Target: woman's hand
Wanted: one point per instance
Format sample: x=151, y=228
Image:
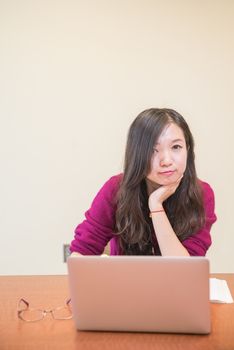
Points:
x=158, y=196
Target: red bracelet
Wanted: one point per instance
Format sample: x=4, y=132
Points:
x=155, y=211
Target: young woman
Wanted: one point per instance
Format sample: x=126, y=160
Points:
x=157, y=206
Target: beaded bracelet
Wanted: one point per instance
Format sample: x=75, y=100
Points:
x=155, y=211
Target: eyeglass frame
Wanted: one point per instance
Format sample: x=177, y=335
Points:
x=43, y=312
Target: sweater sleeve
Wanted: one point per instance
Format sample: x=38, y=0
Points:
x=199, y=242
x=93, y=234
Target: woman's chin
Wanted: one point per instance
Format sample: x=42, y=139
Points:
x=156, y=184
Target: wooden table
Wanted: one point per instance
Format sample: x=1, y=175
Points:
x=50, y=291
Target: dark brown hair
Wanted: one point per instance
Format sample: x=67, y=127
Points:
x=184, y=208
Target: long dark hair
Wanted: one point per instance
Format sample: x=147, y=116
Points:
x=184, y=208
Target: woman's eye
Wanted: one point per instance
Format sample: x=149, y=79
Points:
x=155, y=150
x=176, y=147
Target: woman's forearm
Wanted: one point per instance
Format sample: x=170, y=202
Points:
x=168, y=242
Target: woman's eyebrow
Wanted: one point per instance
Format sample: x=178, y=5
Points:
x=177, y=140
x=172, y=141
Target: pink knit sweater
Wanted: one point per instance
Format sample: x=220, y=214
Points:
x=93, y=234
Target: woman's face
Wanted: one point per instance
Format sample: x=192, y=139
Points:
x=169, y=158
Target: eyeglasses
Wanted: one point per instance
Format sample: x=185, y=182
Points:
x=25, y=313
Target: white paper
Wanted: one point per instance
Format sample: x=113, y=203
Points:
x=219, y=291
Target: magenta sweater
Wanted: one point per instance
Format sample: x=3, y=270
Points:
x=93, y=234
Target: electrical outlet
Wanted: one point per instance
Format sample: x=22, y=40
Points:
x=66, y=252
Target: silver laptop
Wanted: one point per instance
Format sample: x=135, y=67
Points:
x=140, y=293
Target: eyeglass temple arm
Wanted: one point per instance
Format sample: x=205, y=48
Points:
x=24, y=301
x=68, y=301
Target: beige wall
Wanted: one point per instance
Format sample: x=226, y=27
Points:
x=73, y=75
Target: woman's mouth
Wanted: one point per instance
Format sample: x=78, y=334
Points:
x=167, y=173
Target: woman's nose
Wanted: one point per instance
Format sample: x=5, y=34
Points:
x=165, y=159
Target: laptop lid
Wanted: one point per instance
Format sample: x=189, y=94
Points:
x=140, y=293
